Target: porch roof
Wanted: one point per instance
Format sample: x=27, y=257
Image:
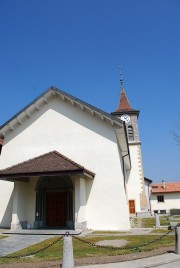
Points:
x=49, y=164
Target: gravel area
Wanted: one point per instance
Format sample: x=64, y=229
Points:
x=93, y=260
x=115, y=243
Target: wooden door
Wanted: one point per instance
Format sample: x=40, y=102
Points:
x=56, y=209
x=132, y=206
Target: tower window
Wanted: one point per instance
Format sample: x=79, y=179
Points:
x=130, y=133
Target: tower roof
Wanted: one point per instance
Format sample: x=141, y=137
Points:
x=124, y=104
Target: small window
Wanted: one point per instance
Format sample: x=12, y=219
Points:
x=163, y=211
x=154, y=186
x=160, y=198
x=130, y=133
x=155, y=211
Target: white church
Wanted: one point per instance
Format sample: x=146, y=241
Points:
x=66, y=164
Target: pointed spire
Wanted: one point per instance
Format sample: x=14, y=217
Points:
x=124, y=104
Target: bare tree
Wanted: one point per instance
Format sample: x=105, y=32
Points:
x=177, y=131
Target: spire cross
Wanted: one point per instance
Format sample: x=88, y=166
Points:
x=121, y=78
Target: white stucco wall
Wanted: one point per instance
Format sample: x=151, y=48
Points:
x=134, y=187
x=171, y=200
x=86, y=140
x=6, y=192
x=147, y=192
x=24, y=197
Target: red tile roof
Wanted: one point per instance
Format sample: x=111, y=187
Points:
x=51, y=163
x=170, y=187
x=124, y=104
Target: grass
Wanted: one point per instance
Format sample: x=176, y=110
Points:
x=3, y=236
x=85, y=250
x=159, y=231
x=175, y=216
x=150, y=222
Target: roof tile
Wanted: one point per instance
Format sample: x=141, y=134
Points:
x=124, y=104
x=169, y=187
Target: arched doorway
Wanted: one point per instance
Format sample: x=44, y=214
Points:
x=54, y=202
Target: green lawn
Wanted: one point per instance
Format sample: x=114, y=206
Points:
x=136, y=243
x=3, y=236
x=150, y=222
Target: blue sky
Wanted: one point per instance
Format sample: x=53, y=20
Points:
x=78, y=45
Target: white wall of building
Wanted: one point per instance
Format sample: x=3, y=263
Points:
x=86, y=140
x=134, y=186
x=147, y=192
x=6, y=197
x=171, y=201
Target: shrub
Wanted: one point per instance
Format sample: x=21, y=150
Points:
x=174, y=211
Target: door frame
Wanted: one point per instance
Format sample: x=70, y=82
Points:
x=41, y=207
x=132, y=200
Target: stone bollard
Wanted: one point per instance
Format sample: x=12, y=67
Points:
x=68, y=259
x=157, y=221
x=177, y=238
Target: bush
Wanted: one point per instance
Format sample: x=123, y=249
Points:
x=174, y=211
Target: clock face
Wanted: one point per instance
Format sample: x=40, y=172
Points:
x=125, y=117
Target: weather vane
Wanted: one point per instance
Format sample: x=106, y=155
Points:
x=121, y=78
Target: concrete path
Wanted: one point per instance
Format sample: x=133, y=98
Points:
x=25, y=238
x=169, y=260
x=15, y=243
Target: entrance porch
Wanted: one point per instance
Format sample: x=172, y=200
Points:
x=49, y=193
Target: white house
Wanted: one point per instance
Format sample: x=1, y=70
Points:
x=68, y=164
x=165, y=196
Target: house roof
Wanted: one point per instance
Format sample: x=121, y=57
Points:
x=52, y=163
x=124, y=105
x=170, y=187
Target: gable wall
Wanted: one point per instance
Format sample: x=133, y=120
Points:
x=88, y=141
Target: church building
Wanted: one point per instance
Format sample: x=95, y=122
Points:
x=66, y=164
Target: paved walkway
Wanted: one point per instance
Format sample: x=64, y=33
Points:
x=15, y=243
x=25, y=238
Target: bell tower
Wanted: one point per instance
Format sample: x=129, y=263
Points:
x=135, y=176
x=129, y=115
x=126, y=113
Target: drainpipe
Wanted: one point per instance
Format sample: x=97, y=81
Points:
x=124, y=170
x=149, y=194
x=128, y=153
x=1, y=142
